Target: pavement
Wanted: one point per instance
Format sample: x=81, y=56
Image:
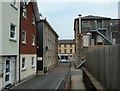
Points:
x=46, y=81
x=76, y=78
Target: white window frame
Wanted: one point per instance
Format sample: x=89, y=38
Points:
x=24, y=42
x=33, y=40
x=33, y=62
x=24, y=63
x=24, y=13
x=13, y=32
x=33, y=19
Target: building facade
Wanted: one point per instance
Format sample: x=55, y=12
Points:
x=9, y=43
x=115, y=28
x=91, y=31
x=66, y=49
x=28, y=39
x=47, y=55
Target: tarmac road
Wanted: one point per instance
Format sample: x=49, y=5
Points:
x=47, y=81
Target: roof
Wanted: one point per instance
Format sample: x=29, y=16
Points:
x=44, y=20
x=91, y=17
x=66, y=41
x=35, y=6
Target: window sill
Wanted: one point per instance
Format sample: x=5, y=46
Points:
x=33, y=24
x=24, y=43
x=23, y=69
x=33, y=45
x=24, y=17
x=14, y=40
x=14, y=6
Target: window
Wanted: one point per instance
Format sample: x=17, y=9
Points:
x=24, y=37
x=13, y=2
x=32, y=61
x=70, y=45
x=24, y=11
x=65, y=51
x=12, y=31
x=65, y=45
x=23, y=63
x=33, y=19
x=33, y=40
x=59, y=45
x=70, y=50
x=85, y=25
x=59, y=50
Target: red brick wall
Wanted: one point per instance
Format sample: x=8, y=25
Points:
x=26, y=25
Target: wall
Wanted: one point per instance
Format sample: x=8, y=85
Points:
x=30, y=29
x=0, y=27
x=103, y=63
x=30, y=70
x=10, y=15
x=49, y=40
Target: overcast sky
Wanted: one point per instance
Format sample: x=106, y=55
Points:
x=61, y=14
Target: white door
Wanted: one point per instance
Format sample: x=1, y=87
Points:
x=8, y=71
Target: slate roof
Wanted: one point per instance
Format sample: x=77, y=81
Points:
x=66, y=41
x=91, y=17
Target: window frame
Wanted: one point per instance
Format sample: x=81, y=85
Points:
x=33, y=19
x=24, y=42
x=33, y=40
x=23, y=67
x=71, y=51
x=13, y=38
x=33, y=63
x=85, y=24
x=65, y=50
x=24, y=11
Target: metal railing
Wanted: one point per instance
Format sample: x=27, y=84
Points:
x=62, y=83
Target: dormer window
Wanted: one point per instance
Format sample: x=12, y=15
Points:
x=33, y=19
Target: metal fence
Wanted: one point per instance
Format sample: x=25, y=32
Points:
x=62, y=84
x=104, y=64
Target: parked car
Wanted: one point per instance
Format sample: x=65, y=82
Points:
x=64, y=61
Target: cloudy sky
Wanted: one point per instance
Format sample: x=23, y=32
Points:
x=61, y=14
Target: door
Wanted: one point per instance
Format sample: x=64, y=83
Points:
x=8, y=72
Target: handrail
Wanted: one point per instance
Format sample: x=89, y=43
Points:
x=102, y=36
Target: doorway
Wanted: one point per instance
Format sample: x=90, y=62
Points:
x=8, y=71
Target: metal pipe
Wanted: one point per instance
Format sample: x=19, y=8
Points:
x=79, y=23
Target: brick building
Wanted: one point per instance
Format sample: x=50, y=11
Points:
x=28, y=39
x=115, y=28
x=91, y=31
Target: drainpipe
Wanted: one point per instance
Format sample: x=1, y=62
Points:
x=79, y=23
x=19, y=41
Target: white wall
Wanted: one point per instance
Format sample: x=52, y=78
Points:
x=30, y=70
x=10, y=15
x=0, y=27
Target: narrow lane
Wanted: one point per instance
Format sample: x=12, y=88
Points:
x=47, y=81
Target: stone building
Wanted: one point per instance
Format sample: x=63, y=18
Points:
x=47, y=46
x=91, y=31
x=66, y=49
